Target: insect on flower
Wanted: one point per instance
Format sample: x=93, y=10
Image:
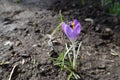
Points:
x=72, y=30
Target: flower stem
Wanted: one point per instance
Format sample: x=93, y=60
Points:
x=74, y=55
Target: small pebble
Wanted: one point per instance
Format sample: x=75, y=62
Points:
x=17, y=43
x=24, y=54
x=102, y=66
x=108, y=30
x=8, y=43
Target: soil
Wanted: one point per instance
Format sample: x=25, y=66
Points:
x=24, y=29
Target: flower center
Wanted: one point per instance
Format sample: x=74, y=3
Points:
x=72, y=25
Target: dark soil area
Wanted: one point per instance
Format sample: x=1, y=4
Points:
x=24, y=49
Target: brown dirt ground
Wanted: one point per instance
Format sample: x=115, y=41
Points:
x=24, y=42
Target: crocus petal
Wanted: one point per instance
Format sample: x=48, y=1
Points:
x=75, y=22
x=77, y=28
x=64, y=26
x=72, y=34
x=67, y=29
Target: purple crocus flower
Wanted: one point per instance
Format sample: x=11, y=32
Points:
x=72, y=30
